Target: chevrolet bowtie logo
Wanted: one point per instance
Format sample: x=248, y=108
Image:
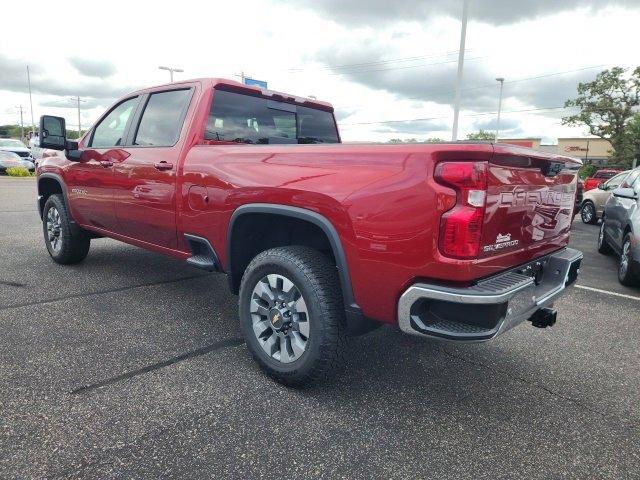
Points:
x=275, y=319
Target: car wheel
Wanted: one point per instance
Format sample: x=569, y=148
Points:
x=588, y=213
x=292, y=315
x=603, y=246
x=626, y=273
x=63, y=244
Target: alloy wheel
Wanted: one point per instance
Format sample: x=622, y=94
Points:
x=624, y=259
x=280, y=318
x=54, y=229
x=587, y=213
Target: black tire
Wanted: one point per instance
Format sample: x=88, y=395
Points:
x=603, y=247
x=71, y=245
x=316, y=280
x=626, y=269
x=588, y=213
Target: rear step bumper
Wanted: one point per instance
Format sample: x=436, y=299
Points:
x=490, y=307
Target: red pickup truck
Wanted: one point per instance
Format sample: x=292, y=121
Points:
x=320, y=240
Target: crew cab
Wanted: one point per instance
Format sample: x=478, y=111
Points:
x=320, y=240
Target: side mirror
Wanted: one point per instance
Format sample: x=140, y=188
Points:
x=602, y=186
x=625, y=192
x=53, y=133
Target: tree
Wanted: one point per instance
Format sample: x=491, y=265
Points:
x=481, y=135
x=633, y=135
x=606, y=107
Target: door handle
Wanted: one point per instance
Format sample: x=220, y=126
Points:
x=106, y=163
x=163, y=165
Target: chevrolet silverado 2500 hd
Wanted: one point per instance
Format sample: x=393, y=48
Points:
x=320, y=240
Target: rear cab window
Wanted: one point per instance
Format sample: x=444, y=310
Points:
x=240, y=118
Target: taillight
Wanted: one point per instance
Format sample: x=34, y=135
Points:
x=461, y=227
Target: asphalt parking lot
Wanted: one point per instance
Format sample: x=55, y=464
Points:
x=131, y=365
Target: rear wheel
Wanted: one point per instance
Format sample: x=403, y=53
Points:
x=588, y=213
x=626, y=273
x=65, y=244
x=603, y=246
x=292, y=314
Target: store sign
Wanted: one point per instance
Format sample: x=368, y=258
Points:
x=575, y=148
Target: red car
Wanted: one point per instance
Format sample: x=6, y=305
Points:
x=458, y=241
x=600, y=176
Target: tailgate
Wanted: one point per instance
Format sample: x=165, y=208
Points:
x=530, y=200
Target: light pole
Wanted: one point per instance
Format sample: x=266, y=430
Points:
x=501, y=80
x=463, y=39
x=171, y=70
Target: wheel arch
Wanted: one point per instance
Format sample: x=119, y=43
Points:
x=239, y=254
x=51, y=184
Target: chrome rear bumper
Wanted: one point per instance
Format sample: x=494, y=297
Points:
x=490, y=307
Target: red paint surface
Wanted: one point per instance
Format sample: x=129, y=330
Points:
x=382, y=200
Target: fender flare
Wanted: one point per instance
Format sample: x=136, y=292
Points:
x=65, y=197
x=355, y=318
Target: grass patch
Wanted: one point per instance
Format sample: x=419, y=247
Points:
x=18, y=172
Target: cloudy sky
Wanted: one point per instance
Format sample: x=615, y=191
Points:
x=388, y=67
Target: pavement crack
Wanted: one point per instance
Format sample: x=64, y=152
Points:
x=100, y=292
x=533, y=384
x=156, y=366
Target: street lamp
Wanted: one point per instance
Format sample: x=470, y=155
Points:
x=171, y=70
x=501, y=80
x=463, y=39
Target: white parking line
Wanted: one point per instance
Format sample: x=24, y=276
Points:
x=615, y=294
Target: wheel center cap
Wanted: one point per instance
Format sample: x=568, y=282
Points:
x=276, y=318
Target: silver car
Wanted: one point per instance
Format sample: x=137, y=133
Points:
x=593, y=200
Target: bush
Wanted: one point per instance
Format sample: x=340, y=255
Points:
x=18, y=172
x=587, y=171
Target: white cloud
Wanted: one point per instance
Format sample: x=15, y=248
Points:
x=268, y=39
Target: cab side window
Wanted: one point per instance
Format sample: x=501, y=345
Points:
x=162, y=118
x=110, y=131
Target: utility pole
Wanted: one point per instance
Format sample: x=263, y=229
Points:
x=33, y=123
x=463, y=39
x=171, y=70
x=78, y=100
x=241, y=75
x=501, y=80
x=21, y=123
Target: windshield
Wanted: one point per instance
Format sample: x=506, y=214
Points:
x=4, y=142
x=235, y=117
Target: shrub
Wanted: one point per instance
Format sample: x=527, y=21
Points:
x=18, y=172
x=587, y=171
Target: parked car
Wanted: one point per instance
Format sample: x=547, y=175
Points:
x=593, y=201
x=600, y=176
x=620, y=227
x=457, y=241
x=15, y=146
x=10, y=159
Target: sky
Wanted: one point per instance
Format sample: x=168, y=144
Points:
x=387, y=67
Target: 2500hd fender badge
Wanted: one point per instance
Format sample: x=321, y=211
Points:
x=502, y=242
x=78, y=191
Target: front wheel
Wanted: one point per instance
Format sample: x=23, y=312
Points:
x=626, y=274
x=603, y=246
x=292, y=314
x=65, y=245
x=588, y=213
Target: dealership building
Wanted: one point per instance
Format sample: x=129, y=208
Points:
x=592, y=150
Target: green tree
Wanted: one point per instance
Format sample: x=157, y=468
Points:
x=606, y=107
x=633, y=135
x=481, y=135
